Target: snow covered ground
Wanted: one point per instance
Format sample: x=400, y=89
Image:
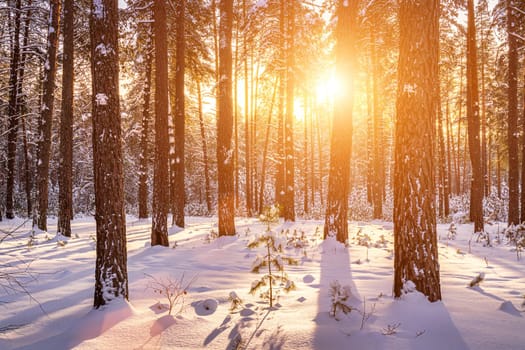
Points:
x=58, y=273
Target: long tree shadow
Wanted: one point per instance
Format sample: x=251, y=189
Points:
x=335, y=266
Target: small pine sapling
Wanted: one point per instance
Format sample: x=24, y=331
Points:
x=339, y=297
x=452, y=232
x=516, y=236
x=272, y=258
x=297, y=240
x=270, y=215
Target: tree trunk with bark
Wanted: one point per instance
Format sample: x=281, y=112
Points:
x=144, y=135
x=415, y=236
x=289, y=152
x=111, y=277
x=12, y=115
x=177, y=184
x=46, y=116
x=336, y=219
x=473, y=117
x=279, y=175
x=65, y=183
x=226, y=209
x=512, y=124
x=159, y=227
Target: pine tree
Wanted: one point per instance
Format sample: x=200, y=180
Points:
x=473, y=117
x=415, y=236
x=159, y=227
x=65, y=201
x=272, y=258
x=12, y=114
x=512, y=124
x=46, y=117
x=226, y=209
x=336, y=220
x=178, y=196
x=111, y=277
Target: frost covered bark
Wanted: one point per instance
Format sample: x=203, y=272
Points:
x=12, y=114
x=46, y=116
x=159, y=227
x=144, y=133
x=336, y=220
x=111, y=278
x=473, y=117
x=415, y=237
x=512, y=122
x=226, y=210
x=65, y=180
x=177, y=184
x=289, y=154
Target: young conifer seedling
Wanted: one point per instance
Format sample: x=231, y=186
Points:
x=272, y=260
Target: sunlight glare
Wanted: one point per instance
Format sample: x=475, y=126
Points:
x=328, y=88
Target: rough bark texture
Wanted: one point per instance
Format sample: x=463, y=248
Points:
x=225, y=122
x=177, y=185
x=111, y=278
x=46, y=116
x=512, y=131
x=22, y=111
x=415, y=237
x=144, y=136
x=159, y=227
x=336, y=220
x=378, y=149
x=289, y=152
x=522, y=196
x=12, y=115
x=474, y=125
x=247, y=133
x=65, y=182
x=279, y=174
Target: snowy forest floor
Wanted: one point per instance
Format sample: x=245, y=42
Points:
x=58, y=274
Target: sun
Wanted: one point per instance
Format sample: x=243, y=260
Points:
x=328, y=87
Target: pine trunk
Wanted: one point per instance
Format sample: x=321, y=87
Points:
x=159, y=227
x=177, y=185
x=247, y=131
x=279, y=176
x=522, y=201
x=226, y=209
x=336, y=219
x=111, y=277
x=65, y=196
x=22, y=112
x=289, y=156
x=377, y=182
x=512, y=131
x=144, y=134
x=473, y=117
x=12, y=135
x=415, y=236
x=46, y=117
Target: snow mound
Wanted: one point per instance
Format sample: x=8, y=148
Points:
x=205, y=307
x=508, y=307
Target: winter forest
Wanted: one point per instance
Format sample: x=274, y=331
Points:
x=262, y=174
